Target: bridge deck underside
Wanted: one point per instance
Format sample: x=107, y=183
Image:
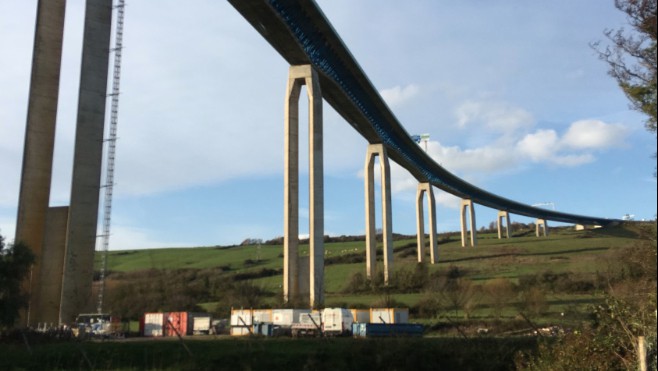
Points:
x=301, y=34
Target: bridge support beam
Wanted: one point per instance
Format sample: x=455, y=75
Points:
x=36, y=175
x=468, y=205
x=541, y=224
x=503, y=215
x=87, y=162
x=387, y=220
x=420, y=222
x=298, y=76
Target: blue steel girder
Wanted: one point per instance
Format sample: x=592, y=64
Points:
x=301, y=34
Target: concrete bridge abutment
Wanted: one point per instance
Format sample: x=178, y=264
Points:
x=292, y=288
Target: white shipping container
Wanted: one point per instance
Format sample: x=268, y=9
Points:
x=286, y=317
x=361, y=315
x=201, y=324
x=337, y=321
x=240, y=331
x=262, y=315
x=389, y=315
x=153, y=324
x=241, y=317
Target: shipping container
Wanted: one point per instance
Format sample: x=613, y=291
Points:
x=176, y=324
x=153, y=324
x=362, y=330
x=241, y=322
x=389, y=315
x=241, y=317
x=286, y=317
x=337, y=321
x=201, y=323
x=361, y=315
x=262, y=315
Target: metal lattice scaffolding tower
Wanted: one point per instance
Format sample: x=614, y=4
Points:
x=111, y=151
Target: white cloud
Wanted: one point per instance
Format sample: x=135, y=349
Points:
x=132, y=238
x=447, y=200
x=594, y=134
x=493, y=115
x=399, y=94
x=485, y=159
x=572, y=160
x=539, y=146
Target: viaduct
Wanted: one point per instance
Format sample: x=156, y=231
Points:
x=63, y=238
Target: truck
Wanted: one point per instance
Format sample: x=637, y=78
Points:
x=337, y=321
x=97, y=325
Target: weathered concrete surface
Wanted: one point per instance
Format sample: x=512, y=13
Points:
x=503, y=215
x=54, y=245
x=468, y=205
x=387, y=219
x=420, y=222
x=298, y=76
x=87, y=161
x=36, y=175
x=541, y=224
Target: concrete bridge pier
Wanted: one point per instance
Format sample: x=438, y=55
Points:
x=502, y=214
x=387, y=220
x=36, y=176
x=468, y=205
x=87, y=162
x=420, y=222
x=541, y=226
x=298, y=76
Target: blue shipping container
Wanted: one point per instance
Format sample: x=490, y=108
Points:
x=386, y=329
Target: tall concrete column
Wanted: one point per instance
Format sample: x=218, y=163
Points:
x=503, y=215
x=387, y=220
x=36, y=175
x=420, y=222
x=539, y=225
x=468, y=204
x=54, y=246
x=87, y=161
x=298, y=76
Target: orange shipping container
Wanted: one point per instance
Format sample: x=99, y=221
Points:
x=176, y=323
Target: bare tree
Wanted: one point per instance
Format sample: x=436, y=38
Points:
x=632, y=56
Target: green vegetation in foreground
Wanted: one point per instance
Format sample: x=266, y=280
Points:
x=271, y=354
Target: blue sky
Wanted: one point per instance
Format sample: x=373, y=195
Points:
x=514, y=99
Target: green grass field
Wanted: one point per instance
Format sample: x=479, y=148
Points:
x=452, y=339
x=582, y=255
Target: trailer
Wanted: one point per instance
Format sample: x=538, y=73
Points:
x=369, y=330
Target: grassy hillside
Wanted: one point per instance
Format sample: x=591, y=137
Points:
x=547, y=276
